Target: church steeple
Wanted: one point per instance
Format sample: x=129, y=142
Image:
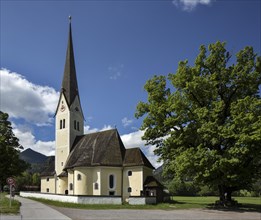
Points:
x=69, y=119
x=69, y=84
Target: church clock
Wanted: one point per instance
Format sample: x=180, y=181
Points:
x=62, y=108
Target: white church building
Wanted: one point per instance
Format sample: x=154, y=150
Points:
x=97, y=164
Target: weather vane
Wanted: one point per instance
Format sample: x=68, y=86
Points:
x=70, y=18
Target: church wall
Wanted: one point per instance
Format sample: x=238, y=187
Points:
x=62, y=137
x=71, y=185
x=83, y=181
x=76, y=120
x=105, y=173
x=48, y=184
x=133, y=184
x=62, y=185
x=96, y=181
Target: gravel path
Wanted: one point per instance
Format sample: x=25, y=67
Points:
x=124, y=214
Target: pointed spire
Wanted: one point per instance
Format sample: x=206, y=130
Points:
x=69, y=84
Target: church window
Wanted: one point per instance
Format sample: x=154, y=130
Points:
x=61, y=163
x=129, y=173
x=78, y=126
x=111, y=181
x=79, y=177
x=71, y=186
x=75, y=124
x=129, y=189
x=63, y=123
x=47, y=190
x=47, y=179
x=96, y=186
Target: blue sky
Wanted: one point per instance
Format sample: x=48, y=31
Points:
x=118, y=46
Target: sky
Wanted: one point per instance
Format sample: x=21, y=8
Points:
x=118, y=46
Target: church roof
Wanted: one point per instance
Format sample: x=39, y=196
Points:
x=69, y=84
x=104, y=148
x=49, y=167
x=135, y=157
x=152, y=182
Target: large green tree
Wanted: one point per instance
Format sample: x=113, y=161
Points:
x=206, y=124
x=10, y=164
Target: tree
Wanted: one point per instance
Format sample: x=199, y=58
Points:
x=10, y=164
x=36, y=179
x=208, y=126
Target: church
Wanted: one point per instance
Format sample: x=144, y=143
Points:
x=96, y=164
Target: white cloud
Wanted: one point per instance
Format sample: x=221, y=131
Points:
x=27, y=140
x=115, y=71
x=36, y=104
x=88, y=129
x=189, y=5
x=126, y=122
x=23, y=99
x=133, y=139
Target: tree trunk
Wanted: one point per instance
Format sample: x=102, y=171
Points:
x=229, y=195
x=222, y=198
x=225, y=196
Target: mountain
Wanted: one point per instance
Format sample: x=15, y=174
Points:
x=32, y=157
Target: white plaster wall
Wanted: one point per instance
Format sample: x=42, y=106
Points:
x=75, y=199
x=142, y=200
x=100, y=200
x=48, y=184
x=54, y=197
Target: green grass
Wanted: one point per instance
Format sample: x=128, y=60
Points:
x=178, y=202
x=245, y=203
x=190, y=202
x=5, y=205
x=250, y=203
x=100, y=206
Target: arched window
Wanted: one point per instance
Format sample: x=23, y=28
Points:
x=63, y=123
x=111, y=181
x=129, y=173
x=79, y=177
x=71, y=186
x=96, y=186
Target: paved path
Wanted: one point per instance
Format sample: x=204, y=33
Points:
x=123, y=214
x=32, y=210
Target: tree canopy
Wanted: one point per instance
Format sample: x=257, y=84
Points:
x=10, y=164
x=206, y=124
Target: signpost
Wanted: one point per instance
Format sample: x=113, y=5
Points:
x=11, y=182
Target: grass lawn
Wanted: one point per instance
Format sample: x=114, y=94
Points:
x=245, y=203
x=178, y=202
x=4, y=205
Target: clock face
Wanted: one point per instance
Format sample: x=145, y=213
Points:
x=62, y=108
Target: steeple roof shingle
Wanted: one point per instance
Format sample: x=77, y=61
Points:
x=69, y=84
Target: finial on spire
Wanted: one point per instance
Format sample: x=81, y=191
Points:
x=70, y=18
